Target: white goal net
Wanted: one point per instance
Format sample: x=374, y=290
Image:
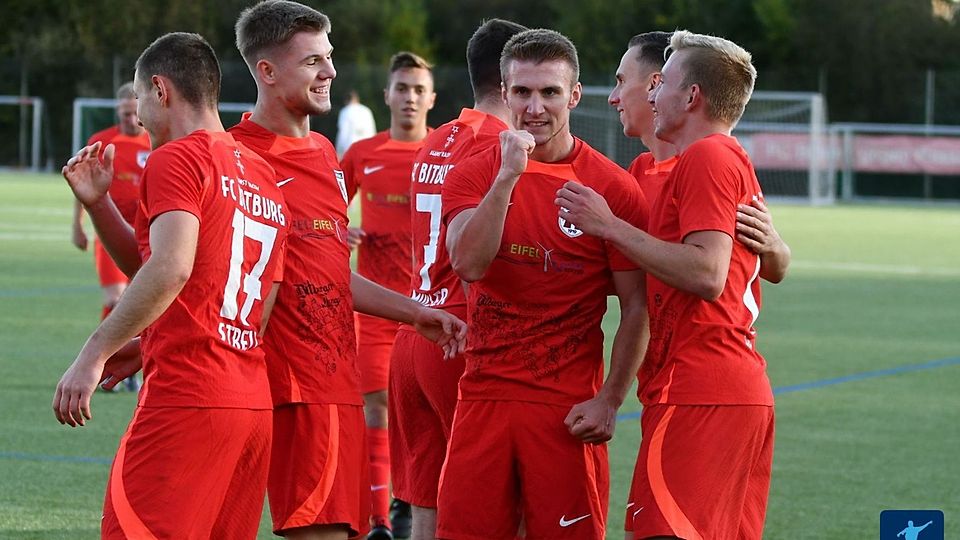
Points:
x=785, y=134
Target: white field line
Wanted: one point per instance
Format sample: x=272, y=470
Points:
x=904, y=270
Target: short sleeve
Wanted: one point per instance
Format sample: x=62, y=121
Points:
x=349, y=166
x=708, y=182
x=173, y=180
x=467, y=183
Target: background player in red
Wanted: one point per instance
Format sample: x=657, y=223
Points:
x=637, y=75
x=210, y=227
x=703, y=469
x=378, y=169
x=318, y=485
x=528, y=440
x=423, y=386
x=131, y=147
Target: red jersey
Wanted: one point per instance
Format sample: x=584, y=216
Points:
x=311, y=345
x=129, y=158
x=534, y=319
x=379, y=167
x=435, y=284
x=651, y=174
x=204, y=350
x=700, y=352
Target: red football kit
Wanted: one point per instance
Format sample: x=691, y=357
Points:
x=651, y=174
x=379, y=168
x=536, y=349
x=704, y=387
x=204, y=369
x=423, y=386
x=130, y=156
x=311, y=345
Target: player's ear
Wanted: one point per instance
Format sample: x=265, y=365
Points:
x=265, y=72
x=575, y=95
x=161, y=89
x=694, y=96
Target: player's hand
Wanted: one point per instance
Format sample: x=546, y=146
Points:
x=355, y=237
x=444, y=329
x=79, y=237
x=755, y=228
x=592, y=421
x=123, y=364
x=71, y=402
x=585, y=208
x=515, y=149
x=87, y=175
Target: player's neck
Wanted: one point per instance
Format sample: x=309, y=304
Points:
x=280, y=120
x=554, y=150
x=494, y=107
x=192, y=120
x=413, y=134
x=699, y=129
x=661, y=150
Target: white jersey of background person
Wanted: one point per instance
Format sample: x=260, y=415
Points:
x=355, y=122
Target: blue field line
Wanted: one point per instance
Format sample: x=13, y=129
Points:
x=838, y=380
x=625, y=416
x=59, y=459
x=50, y=291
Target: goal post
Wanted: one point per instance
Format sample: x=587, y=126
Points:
x=785, y=134
x=27, y=128
x=91, y=115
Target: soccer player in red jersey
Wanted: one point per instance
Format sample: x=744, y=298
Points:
x=704, y=464
x=637, y=75
x=534, y=413
x=131, y=147
x=318, y=485
x=423, y=387
x=211, y=227
x=378, y=169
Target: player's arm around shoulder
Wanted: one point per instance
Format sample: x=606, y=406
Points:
x=755, y=230
x=474, y=234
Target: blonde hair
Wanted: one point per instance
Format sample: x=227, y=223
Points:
x=722, y=69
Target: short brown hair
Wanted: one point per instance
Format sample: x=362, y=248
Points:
x=408, y=60
x=721, y=68
x=483, y=55
x=190, y=64
x=271, y=23
x=651, y=47
x=540, y=45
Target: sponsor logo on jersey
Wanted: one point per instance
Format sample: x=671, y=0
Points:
x=373, y=169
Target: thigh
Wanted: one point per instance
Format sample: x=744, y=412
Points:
x=693, y=469
x=374, y=342
x=185, y=473
x=479, y=489
x=565, y=483
x=318, y=467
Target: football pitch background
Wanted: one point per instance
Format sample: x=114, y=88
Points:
x=862, y=340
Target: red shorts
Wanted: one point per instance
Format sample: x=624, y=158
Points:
x=374, y=343
x=508, y=459
x=107, y=270
x=702, y=472
x=318, y=468
x=189, y=473
x=422, y=398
